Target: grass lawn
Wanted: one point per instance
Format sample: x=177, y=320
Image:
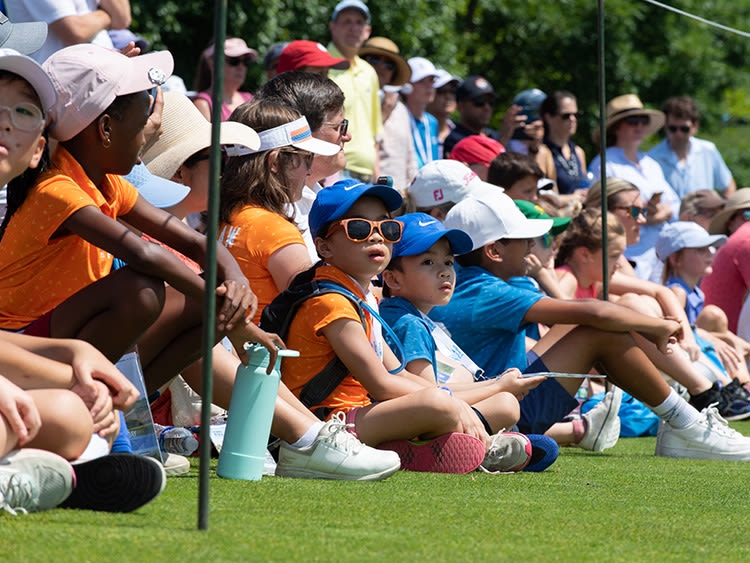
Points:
x=624, y=504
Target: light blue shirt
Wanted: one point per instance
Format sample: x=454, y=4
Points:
x=703, y=169
x=648, y=177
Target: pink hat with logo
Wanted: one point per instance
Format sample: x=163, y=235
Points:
x=447, y=181
x=88, y=78
x=234, y=47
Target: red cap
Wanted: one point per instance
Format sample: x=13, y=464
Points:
x=307, y=53
x=476, y=149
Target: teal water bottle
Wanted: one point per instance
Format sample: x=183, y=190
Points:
x=250, y=414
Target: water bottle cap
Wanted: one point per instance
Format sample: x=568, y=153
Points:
x=282, y=352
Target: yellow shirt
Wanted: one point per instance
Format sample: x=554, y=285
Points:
x=38, y=272
x=362, y=108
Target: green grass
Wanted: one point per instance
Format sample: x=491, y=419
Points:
x=624, y=504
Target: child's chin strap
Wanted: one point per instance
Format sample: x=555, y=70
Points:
x=366, y=306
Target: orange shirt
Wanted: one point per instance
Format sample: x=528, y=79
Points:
x=252, y=236
x=306, y=336
x=38, y=272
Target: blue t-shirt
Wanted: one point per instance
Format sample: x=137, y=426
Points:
x=527, y=282
x=413, y=330
x=485, y=318
x=695, y=298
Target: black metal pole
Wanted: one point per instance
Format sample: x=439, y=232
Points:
x=209, y=301
x=603, y=149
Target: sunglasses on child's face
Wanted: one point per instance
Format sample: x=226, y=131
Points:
x=633, y=209
x=359, y=230
x=374, y=60
x=675, y=128
x=638, y=120
x=25, y=116
x=236, y=61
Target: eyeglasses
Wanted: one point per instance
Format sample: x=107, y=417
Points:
x=638, y=120
x=342, y=126
x=236, y=61
x=481, y=102
x=359, y=230
x=25, y=116
x=675, y=128
x=568, y=115
x=634, y=210
x=374, y=60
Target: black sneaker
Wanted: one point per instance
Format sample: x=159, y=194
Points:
x=708, y=397
x=119, y=482
x=729, y=407
x=738, y=391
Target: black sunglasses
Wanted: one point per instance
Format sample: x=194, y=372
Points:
x=567, y=116
x=675, y=128
x=374, y=60
x=342, y=126
x=235, y=61
x=638, y=119
x=481, y=102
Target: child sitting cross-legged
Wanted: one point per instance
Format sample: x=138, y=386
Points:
x=421, y=276
x=354, y=234
x=486, y=317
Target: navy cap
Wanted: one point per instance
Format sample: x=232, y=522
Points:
x=421, y=231
x=332, y=202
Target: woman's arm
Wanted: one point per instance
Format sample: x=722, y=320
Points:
x=287, y=262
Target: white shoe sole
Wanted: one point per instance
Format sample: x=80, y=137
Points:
x=313, y=474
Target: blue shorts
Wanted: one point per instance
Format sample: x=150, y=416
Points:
x=546, y=404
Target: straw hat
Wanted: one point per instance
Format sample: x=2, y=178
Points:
x=386, y=48
x=185, y=132
x=738, y=201
x=624, y=106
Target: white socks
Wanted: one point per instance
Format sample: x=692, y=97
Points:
x=309, y=437
x=98, y=447
x=675, y=411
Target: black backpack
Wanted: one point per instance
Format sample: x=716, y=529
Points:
x=278, y=315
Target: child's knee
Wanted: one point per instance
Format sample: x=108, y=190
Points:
x=441, y=405
x=713, y=319
x=145, y=296
x=641, y=303
x=509, y=405
x=66, y=422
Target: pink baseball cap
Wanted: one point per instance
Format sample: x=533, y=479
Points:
x=308, y=53
x=88, y=78
x=235, y=47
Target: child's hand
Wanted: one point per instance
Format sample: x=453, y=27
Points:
x=18, y=408
x=91, y=367
x=97, y=399
x=513, y=382
x=533, y=265
x=250, y=332
x=239, y=303
x=470, y=424
x=667, y=333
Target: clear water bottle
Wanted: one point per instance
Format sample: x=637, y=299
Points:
x=176, y=440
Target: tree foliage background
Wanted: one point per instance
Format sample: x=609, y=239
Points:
x=516, y=44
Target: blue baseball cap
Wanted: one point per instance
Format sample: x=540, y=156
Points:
x=332, y=202
x=684, y=234
x=158, y=191
x=421, y=231
x=356, y=4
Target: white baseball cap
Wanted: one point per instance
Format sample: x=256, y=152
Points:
x=88, y=78
x=445, y=181
x=295, y=133
x=494, y=217
x=31, y=71
x=421, y=68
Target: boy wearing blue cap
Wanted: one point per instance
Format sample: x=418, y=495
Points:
x=354, y=234
x=421, y=276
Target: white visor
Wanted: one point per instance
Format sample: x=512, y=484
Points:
x=295, y=134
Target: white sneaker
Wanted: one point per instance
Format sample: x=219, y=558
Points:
x=509, y=452
x=709, y=437
x=33, y=480
x=176, y=464
x=603, y=423
x=336, y=454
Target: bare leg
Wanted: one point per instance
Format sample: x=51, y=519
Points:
x=66, y=423
x=501, y=411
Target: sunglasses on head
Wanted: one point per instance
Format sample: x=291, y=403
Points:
x=374, y=60
x=235, y=61
x=634, y=210
x=342, y=126
x=566, y=116
x=359, y=230
x=481, y=102
x=638, y=119
x=675, y=128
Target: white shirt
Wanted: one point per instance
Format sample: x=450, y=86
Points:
x=301, y=213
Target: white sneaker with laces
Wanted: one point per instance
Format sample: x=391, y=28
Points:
x=33, y=480
x=709, y=437
x=603, y=423
x=336, y=454
x=175, y=464
x=509, y=452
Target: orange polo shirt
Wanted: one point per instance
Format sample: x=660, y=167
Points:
x=252, y=236
x=38, y=272
x=306, y=336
